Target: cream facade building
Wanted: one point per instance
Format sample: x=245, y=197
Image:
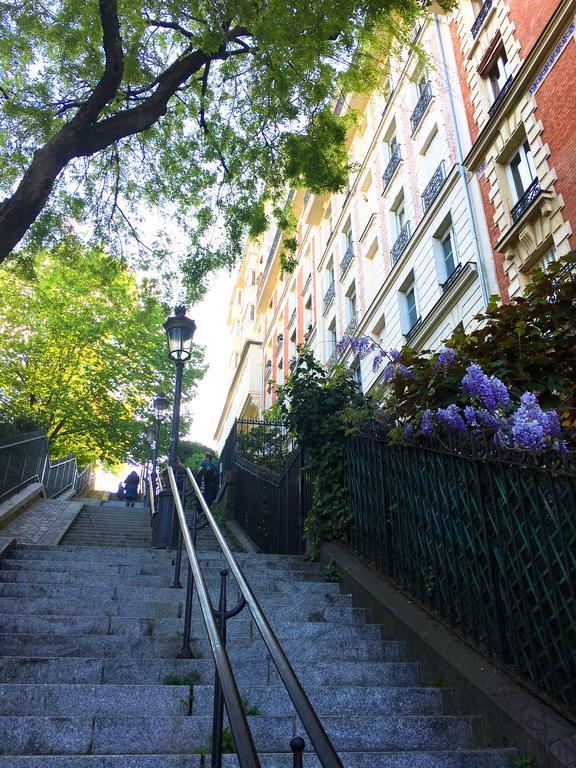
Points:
x=402, y=256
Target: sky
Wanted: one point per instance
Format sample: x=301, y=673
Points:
x=212, y=333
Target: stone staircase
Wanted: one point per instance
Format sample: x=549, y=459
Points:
x=110, y=525
x=89, y=676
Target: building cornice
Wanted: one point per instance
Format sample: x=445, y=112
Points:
x=524, y=78
x=243, y=355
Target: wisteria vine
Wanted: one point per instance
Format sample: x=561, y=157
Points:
x=488, y=405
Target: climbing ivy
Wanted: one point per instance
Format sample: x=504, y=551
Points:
x=320, y=409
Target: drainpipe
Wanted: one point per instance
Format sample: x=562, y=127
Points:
x=463, y=173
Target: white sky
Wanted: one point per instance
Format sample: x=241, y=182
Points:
x=212, y=333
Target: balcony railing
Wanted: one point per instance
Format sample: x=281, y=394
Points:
x=498, y=100
x=329, y=296
x=452, y=277
x=393, y=163
x=481, y=18
x=421, y=106
x=331, y=362
x=433, y=187
x=352, y=325
x=346, y=261
x=401, y=243
x=416, y=325
x=526, y=200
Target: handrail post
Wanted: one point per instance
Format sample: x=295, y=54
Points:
x=186, y=652
x=218, y=713
x=297, y=746
x=178, y=564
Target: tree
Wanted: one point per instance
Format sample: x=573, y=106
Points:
x=195, y=107
x=191, y=453
x=82, y=352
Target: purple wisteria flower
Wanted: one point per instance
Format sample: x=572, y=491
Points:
x=492, y=392
x=531, y=428
x=361, y=346
x=452, y=418
x=408, y=431
x=377, y=361
x=445, y=358
x=394, y=355
x=404, y=371
x=481, y=417
x=426, y=425
x=388, y=374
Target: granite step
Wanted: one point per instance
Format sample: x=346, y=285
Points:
x=177, y=734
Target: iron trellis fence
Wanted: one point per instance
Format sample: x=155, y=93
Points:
x=25, y=459
x=487, y=544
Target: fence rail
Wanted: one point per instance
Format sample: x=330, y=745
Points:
x=272, y=492
x=488, y=545
x=26, y=459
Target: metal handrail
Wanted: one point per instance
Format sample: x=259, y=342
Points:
x=246, y=751
x=318, y=737
x=151, y=496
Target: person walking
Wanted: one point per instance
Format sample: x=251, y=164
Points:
x=120, y=492
x=208, y=473
x=131, y=485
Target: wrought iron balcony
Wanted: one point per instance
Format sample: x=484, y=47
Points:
x=331, y=362
x=393, y=163
x=526, y=200
x=481, y=18
x=421, y=106
x=452, y=277
x=413, y=330
x=433, y=187
x=329, y=296
x=401, y=243
x=352, y=325
x=498, y=100
x=346, y=261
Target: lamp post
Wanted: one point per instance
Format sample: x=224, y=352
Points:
x=160, y=405
x=180, y=335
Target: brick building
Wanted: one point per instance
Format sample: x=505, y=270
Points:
x=516, y=62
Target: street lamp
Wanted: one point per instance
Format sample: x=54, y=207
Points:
x=180, y=334
x=160, y=406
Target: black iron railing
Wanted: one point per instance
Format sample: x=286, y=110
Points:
x=452, y=277
x=346, y=261
x=433, y=187
x=415, y=326
x=481, y=18
x=400, y=244
x=26, y=459
x=421, y=106
x=331, y=362
x=486, y=543
x=329, y=296
x=498, y=100
x=526, y=200
x=393, y=163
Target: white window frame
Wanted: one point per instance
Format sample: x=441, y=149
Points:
x=521, y=174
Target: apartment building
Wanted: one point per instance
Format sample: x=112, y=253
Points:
x=516, y=63
x=403, y=255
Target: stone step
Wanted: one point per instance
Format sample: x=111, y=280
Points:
x=107, y=646
x=137, y=594
x=161, y=568
x=213, y=581
x=45, y=606
x=461, y=759
x=173, y=734
x=133, y=671
x=132, y=700
x=160, y=628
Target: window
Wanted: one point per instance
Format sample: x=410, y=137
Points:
x=497, y=73
x=399, y=215
x=357, y=375
x=308, y=314
x=239, y=297
x=347, y=239
x=521, y=171
x=421, y=84
x=444, y=244
x=408, y=305
x=332, y=339
x=329, y=275
x=252, y=277
x=351, y=304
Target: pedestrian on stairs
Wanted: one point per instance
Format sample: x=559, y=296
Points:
x=208, y=473
x=131, y=488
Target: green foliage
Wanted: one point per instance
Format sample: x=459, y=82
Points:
x=250, y=709
x=320, y=410
x=191, y=454
x=82, y=352
x=228, y=746
x=332, y=572
x=251, y=111
x=191, y=679
x=264, y=444
x=524, y=762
